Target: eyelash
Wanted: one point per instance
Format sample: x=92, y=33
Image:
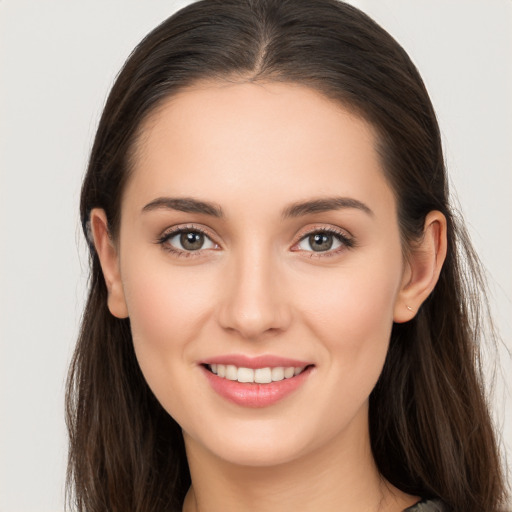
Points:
x=346, y=241
x=168, y=235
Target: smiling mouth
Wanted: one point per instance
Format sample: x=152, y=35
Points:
x=257, y=375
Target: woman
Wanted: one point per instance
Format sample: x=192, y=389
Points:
x=279, y=317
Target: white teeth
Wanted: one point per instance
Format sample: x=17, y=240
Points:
x=263, y=375
x=277, y=374
x=259, y=375
x=245, y=375
x=289, y=372
x=231, y=372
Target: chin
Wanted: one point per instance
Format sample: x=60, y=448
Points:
x=260, y=454
x=260, y=443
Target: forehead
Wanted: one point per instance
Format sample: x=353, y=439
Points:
x=253, y=139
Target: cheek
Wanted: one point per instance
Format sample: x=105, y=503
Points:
x=355, y=302
x=354, y=321
x=168, y=308
x=165, y=300
x=360, y=309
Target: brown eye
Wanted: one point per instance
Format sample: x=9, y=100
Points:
x=188, y=241
x=192, y=240
x=324, y=241
x=320, y=241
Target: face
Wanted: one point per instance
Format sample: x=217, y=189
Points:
x=259, y=240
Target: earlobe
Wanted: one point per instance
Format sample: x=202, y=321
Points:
x=109, y=260
x=423, y=267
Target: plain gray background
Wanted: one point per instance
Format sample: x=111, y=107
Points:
x=57, y=62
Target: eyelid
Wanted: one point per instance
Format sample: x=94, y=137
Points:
x=179, y=228
x=343, y=235
x=347, y=239
x=172, y=231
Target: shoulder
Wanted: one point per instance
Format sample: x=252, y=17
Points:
x=428, y=506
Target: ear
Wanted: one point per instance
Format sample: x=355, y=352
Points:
x=422, y=268
x=109, y=260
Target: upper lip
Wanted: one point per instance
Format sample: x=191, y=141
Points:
x=264, y=361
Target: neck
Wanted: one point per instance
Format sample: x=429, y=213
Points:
x=341, y=477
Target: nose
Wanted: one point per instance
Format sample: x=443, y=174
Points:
x=255, y=303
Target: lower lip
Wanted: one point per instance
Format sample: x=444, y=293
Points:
x=253, y=394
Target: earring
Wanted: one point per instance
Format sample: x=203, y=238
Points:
x=409, y=308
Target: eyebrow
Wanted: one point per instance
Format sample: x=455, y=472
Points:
x=299, y=209
x=184, y=204
x=323, y=205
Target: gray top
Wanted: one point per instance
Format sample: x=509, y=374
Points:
x=428, y=506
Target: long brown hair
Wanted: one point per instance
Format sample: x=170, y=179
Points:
x=430, y=428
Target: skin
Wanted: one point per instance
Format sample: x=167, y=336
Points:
x=258, y=288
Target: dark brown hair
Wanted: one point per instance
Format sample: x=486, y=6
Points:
x=430, y=428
